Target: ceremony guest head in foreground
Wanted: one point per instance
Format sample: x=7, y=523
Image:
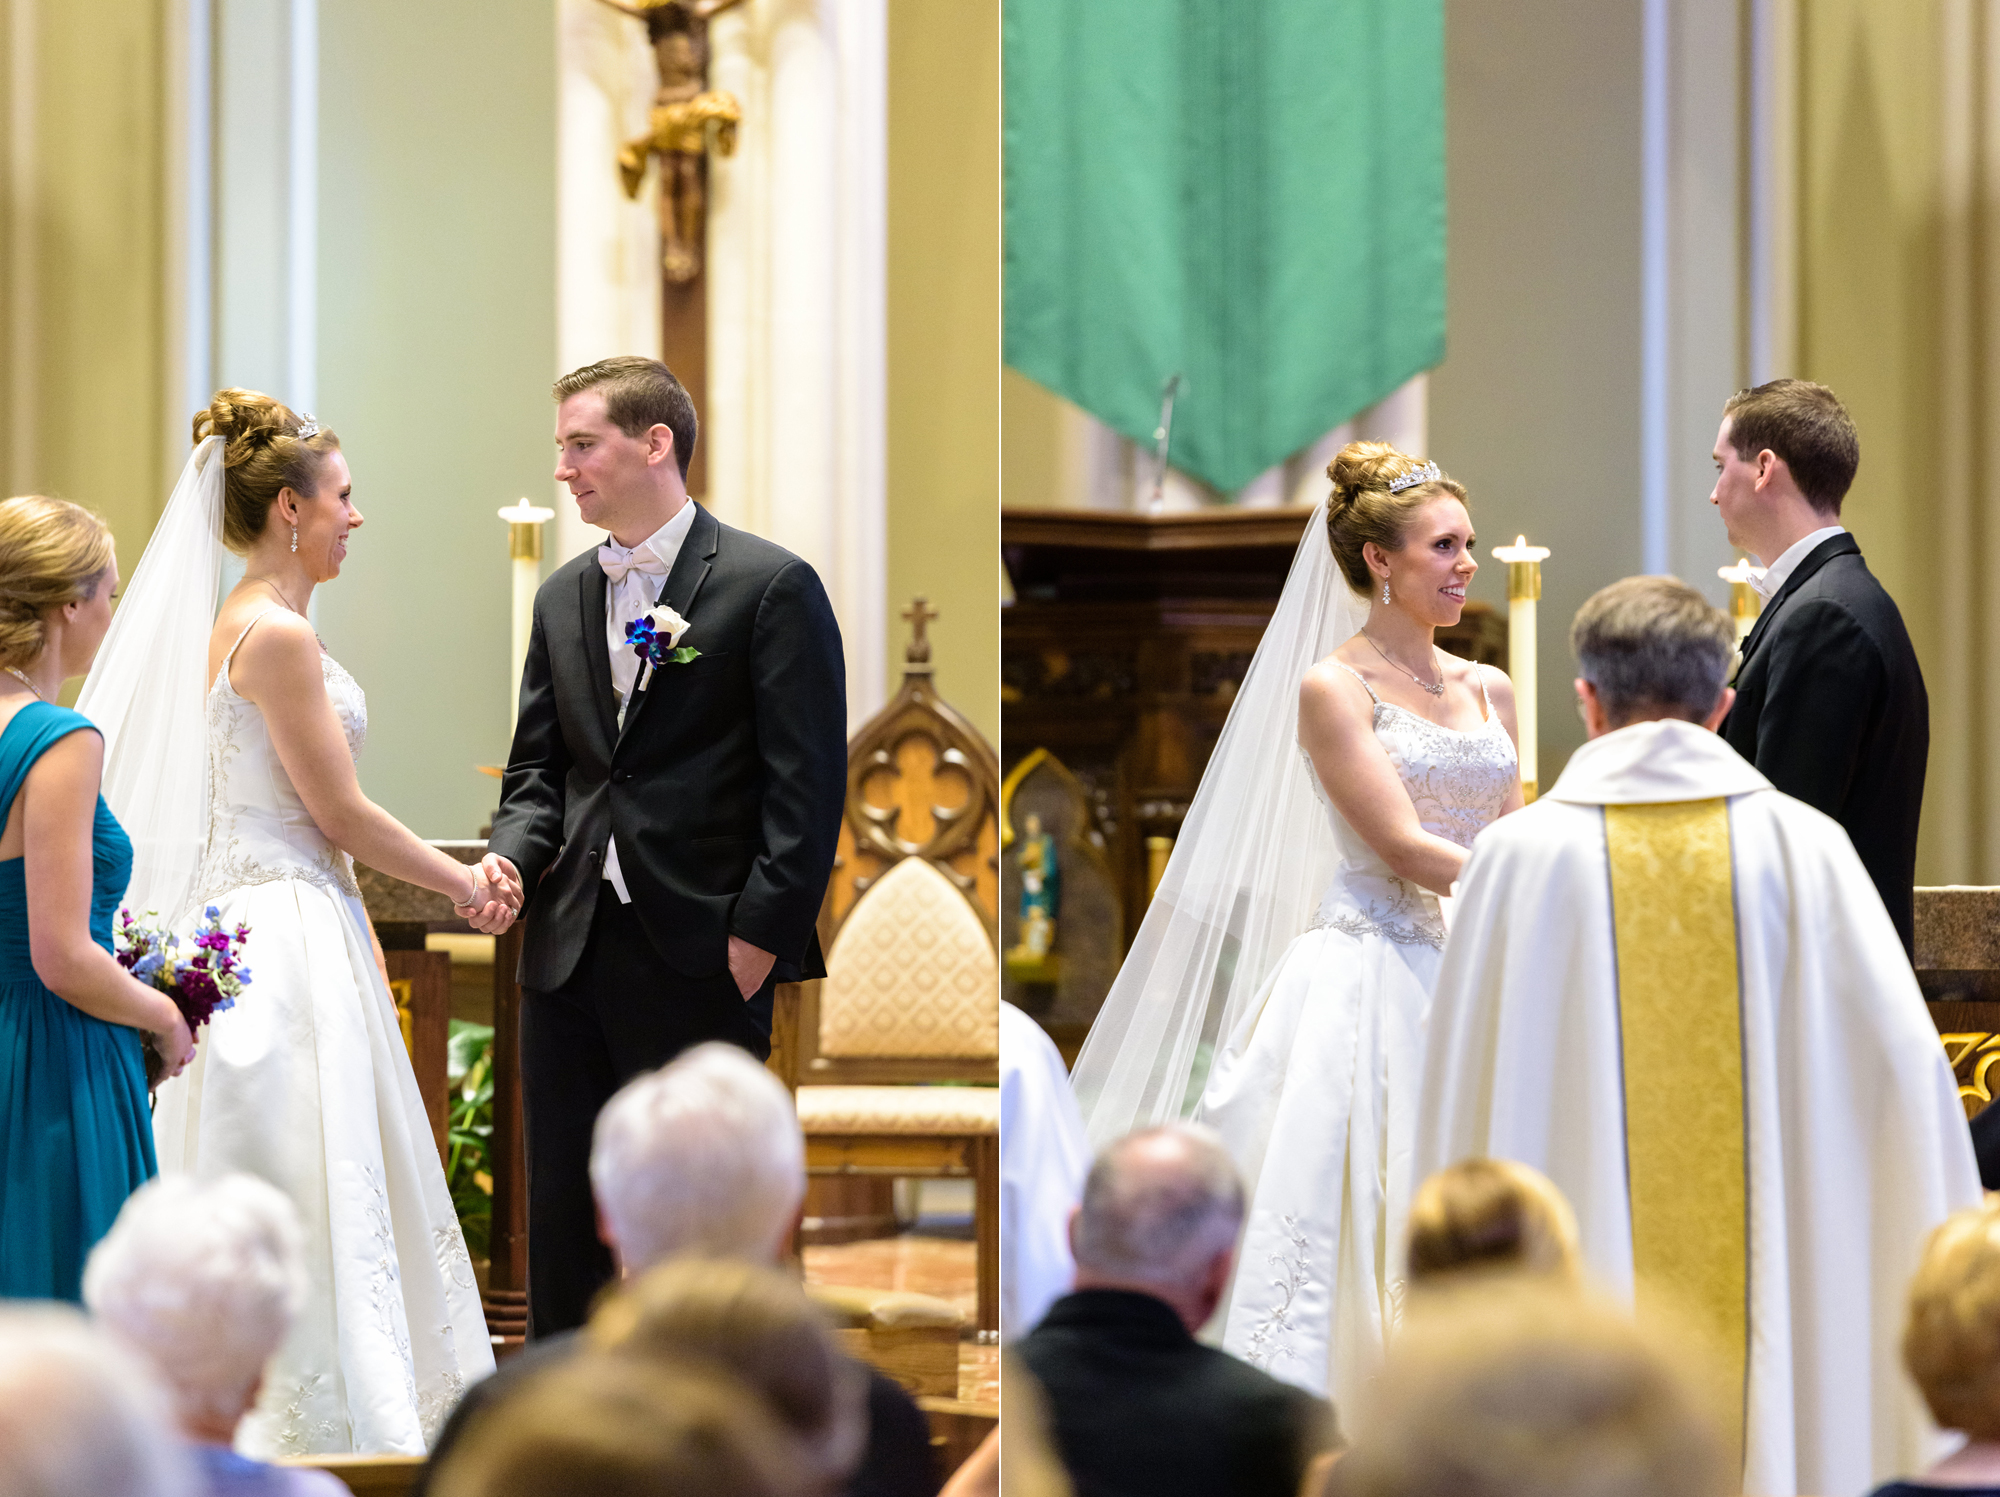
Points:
x=1524, y=1390
x=702, y=1156
x=1138, y=1405
x=703, y=1159
x=1951, y=1344
x=202, y=1278
x=1490, y=1216
x=1830, y=704
x=1674, y=991
x=595, y=1426
x=79, y=1414
x=756, y=1324
x=75, y=1134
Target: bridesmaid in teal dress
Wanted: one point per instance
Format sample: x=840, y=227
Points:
x=76, y=1134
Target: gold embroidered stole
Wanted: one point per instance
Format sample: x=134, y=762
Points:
x=1673, y=912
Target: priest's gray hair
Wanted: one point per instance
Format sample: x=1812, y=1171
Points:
x=202, y=1278
x=1158, y=1205
x=78, y=1413
x=703, y=1155
x=1653, y=647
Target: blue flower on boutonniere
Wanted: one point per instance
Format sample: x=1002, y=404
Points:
x=655, y=639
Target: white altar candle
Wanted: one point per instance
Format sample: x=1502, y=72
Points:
x=1745, y=603
x=524, y=545
x=1524, y=589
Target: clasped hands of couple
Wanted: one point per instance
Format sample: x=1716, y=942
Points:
x=497, y=898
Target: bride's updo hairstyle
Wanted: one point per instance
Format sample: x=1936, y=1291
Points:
x=52, y=552
x=262, y=452
x=1361, y=508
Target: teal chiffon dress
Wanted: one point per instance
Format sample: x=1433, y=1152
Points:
x=76, y=1135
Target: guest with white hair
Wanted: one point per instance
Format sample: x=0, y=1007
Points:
x=78, y=1414
x=202, y=1279
x=704, y=1158
x=1139, y=1405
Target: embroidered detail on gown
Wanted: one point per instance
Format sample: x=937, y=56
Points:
x=1315, y=1092
x=305, y=1082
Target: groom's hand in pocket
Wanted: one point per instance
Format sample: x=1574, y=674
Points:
x=748, y=966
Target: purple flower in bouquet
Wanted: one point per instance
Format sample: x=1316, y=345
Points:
x=202, y=985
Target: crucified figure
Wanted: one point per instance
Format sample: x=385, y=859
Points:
x=688, y=121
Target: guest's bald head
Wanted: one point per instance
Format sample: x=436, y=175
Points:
x=1158, y=1208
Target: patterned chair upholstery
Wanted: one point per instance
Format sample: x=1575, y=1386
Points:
x=894, y=1055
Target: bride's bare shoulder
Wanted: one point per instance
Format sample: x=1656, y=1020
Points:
x=1338, y=683
x=264, y=636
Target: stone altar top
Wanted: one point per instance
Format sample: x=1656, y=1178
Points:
x=1958, y=929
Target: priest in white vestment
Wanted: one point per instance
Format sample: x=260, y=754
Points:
x=1044, y=1158
x=1676, y=992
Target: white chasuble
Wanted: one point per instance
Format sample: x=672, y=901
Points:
x=1675, y=991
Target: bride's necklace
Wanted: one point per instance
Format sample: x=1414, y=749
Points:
x=281, y=594
x=22, y=677
x=1436, y=691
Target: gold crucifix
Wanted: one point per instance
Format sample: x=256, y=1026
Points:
x=689, y=122
x=918, y=614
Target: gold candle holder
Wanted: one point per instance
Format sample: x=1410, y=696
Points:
x=1524, y=591
x=524, y=548
x=1745, y=602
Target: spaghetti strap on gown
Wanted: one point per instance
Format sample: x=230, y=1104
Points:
x=75, y=1135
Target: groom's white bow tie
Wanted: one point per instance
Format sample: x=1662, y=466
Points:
x=617, y=562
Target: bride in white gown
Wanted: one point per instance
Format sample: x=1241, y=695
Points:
x=305, y=1082
x=1297, y=931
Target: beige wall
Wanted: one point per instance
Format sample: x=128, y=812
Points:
x=82, y=326
x=437, y=321
x=1536, y=406
x=944, y=341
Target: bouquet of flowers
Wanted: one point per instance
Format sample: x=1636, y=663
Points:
x=202, y=985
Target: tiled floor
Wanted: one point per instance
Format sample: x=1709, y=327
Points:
x=923, y=1265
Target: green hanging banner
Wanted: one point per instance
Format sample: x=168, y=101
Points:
x=1247, y=193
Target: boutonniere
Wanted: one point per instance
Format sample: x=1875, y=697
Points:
x=655, y=637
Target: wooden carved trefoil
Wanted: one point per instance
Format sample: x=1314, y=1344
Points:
x=689, y=123
x=1972, y=1056
x=921, y=783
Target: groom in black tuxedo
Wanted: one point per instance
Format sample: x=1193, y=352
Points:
x=1830, y=703
x=672, y=827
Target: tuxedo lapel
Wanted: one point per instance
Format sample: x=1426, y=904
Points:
x=682, y=587
x=591, y=589
x=1813, y=560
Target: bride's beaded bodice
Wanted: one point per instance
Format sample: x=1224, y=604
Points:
x=1458, y=780
x=259, y=829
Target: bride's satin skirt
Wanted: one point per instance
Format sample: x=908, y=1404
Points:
x=305, y=1083
x=1315, y=1096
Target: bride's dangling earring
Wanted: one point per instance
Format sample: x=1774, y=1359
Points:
x=1385, y=580
x=295, y=547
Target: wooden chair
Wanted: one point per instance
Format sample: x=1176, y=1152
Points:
x=911, y=996
x=368, y=1475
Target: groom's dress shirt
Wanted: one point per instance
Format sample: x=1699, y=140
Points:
x=1788, y=561
x=625, y=599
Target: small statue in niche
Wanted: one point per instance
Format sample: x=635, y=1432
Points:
x=1033, y=960
x=689, y=122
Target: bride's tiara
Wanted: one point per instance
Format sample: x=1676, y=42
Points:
x=307, y=428
x=1428, y=473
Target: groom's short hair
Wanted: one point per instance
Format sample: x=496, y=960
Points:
x=639, y=394
x=1653, y=647
x=1807, y=426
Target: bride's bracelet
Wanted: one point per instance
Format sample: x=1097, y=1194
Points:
x=471, y=900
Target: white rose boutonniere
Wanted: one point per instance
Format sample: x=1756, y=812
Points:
x=655, y=637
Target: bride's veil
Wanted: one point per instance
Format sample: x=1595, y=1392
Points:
x=148, y=690
x=1255, y=853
